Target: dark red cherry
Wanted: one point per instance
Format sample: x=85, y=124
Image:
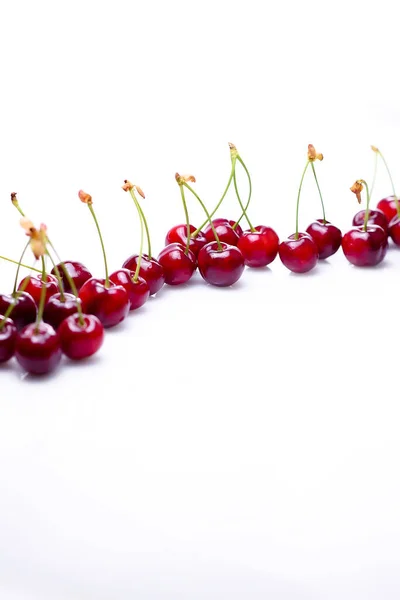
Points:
x=259, y=247
x=220, y=267
x=37, y=348
x=34, y=287
x=77, y=271
x=327, y=237
x=238, y=229
x=178, y=234
x=375, y=217
x=8, y=335
x=388, y=207
x=81, y=341
x=365, y=248
x=150, y=270
x=138, y=291
x=394, y=230
x=24, y=311
x=299, y=255
x=56, y=309
x=224, y=230
x=178, y=266
x=109, y=304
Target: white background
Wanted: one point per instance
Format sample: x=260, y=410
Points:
x=235, y=443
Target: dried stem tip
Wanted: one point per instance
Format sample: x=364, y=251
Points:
x=84, y=197
x=312, y=154
x=357, y=188
x=38, y=236
x=375, y=149
x=14, y=198
x=128, y=186
x=181, y=179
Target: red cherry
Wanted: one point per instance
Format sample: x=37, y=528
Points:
x=34, y=287
x=81, y=341
x=220, y=267
x=388, y=207
x=37, y=348
x=109, y=304
x=178, y=266
x=365, y=248
x=224, y=230
x=8, y=335
x=77, y=271
x=299, y=255
x=327, y=237
x=24, y=311
x=56, y=309
x=259, y=247
x=178, y=234
x=375, y=217
x=394, y=230
x=138, y=291
x=150, y=270
x=238, y=229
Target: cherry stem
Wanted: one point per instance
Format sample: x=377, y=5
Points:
x=244, y=213
x=142, y=221
x=319, y=191
x=391, y=181
x=136, y=201
x=185, y=208
x=375, y=171
x=15, y=295
x=17, y=206
x=206, y=212
x=42, y=296
x=71, y=284
x=241, y=206
x=58, y=275
x=107, y=282
x=15, y=262
x=296, y=235
x=366, y=216
x=19, y=265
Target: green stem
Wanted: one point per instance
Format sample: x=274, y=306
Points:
x=374, y=176
x=71, y=284
x=185, y=208
x=391, y=181
x=142, y=221
x=137, y=204
x=206, y=212
x=233, y=158
x=241, y=206
x=15, y=262
x=296, y=236
x=244, y=213
x=319, y=191
x=58, y=275
x=19, y=265
x=107, y=282
x=366, y=216
x=42, y=296
x=19, y=209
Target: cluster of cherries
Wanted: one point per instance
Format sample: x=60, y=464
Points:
x=65, y=311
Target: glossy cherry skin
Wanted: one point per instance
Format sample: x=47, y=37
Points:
x=138, y=291
x=375, y=217
x=224, y=230
x=388, y=207
x=56, y=310
x=77, y=271
x=327, y=237
x=24, y=311
x=178, y=235
x=259, y=247
x=365, y=248
x=34, y=287
x=299, y=255
x=38, y=352
x=109, y=304
x=81, y=341
x=150, y=270
x=8, y=335
x=220, y=267
x=394, y=230
x=178, y=266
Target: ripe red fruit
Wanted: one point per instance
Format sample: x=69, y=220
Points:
x=259, y=247
x=178, y=234
x=388, y=206
x=24, y=308
x=365, y=248
x=220, y=267
x=225, y=232
x=327, y=237
x=299, y=255
x=150, y=270
x=34, y=287
x=394, y=230
x=57, y=309
x=8, y=335
x=81, y=341
x=77, y=271
x=37, y=348
x=138, y=291
x=109, y=304
x=375, y=217
x=178, y=266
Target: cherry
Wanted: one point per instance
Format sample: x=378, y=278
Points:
x=59, y=307
x=23, y=308
x=138, y=291
x=79, y=340
x=33, y=285
x=77, y=272
x=394, y=230
x=8, y=334
x=37, y=348
x=178, y=234
x=365, y=247
x=150, y=269
x=178, y=265
x=259, y=247
x=221, y=266
x=327, y=237
x=388, y=207
x=299, y=254
x=375, y=217
x=224, y=230
x=110, y=304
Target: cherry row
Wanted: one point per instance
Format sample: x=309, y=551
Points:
x=65, y=311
